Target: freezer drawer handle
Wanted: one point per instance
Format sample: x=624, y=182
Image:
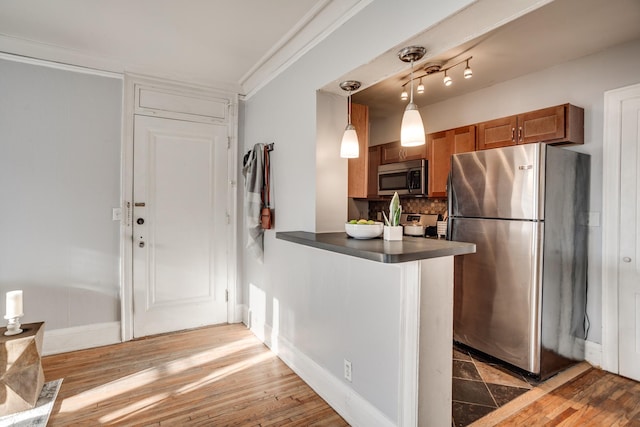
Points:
x=525, y=167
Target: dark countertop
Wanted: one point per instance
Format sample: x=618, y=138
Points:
x=409, y=249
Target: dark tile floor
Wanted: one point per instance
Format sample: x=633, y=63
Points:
x=481, y=386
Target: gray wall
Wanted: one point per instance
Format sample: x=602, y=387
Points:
x=60, y=134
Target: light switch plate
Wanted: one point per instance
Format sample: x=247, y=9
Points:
x=116, y=214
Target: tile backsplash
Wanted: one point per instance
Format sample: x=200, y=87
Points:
x=415, y=205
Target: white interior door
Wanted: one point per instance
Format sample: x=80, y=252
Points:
x=179, y=225
x=629, y=262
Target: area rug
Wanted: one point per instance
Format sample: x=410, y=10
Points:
x=39, y=414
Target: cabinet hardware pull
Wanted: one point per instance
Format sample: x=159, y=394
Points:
x=520, y=134
x=513, y=134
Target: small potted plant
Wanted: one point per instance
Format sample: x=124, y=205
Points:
x=393, y=229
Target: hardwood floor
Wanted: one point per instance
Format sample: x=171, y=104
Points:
x=223, y=376
x=595, y=398
x=214, y=376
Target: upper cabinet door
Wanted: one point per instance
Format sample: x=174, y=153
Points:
x=390, y=152
x=497, y=133
x=541, y=125
x=440, y=150
x=464, y=139
x=441, y=146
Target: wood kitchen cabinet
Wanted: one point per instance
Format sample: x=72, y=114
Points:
x=358, y=168
x=441, y=146
x=562, y=124
x=374, y=162
x=497, y=133
x=394, y=152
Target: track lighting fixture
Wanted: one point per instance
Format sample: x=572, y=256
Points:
x=434, y=68
x=350, y=146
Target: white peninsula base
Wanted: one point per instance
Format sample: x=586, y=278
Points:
x=391, y=311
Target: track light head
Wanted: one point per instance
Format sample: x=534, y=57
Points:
x=447, y=79
x=467, y=71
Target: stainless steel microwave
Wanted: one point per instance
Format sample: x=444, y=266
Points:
x=403, y=177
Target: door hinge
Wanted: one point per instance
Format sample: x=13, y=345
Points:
x=226, y=295
x=228, y=142
x=228, y=217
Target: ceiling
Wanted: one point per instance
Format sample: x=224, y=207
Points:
x=240, y=44
x=555, y=33
x=212, y=42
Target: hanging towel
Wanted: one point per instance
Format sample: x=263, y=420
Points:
x=253, y=171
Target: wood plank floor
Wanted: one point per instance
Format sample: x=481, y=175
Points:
x=214, y=376
x=595, y=398
x=223, y=376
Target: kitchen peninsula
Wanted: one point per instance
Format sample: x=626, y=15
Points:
x=424, y=272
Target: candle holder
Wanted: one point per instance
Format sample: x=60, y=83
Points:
x=13, y=325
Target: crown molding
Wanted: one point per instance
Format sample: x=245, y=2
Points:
x=317, y=25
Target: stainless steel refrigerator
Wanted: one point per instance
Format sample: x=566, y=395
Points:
x=521, y=297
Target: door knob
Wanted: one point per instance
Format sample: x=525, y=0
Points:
x=141, y=244
x=140, y=221
x=626, y=259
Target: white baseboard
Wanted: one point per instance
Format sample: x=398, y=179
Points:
x=593, y=353
x=81, y=337
x=345, y=401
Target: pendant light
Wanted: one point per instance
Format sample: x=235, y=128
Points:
x=350, y=147
x=412, y=128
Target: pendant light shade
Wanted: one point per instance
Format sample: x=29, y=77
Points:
x=350, y=146
x=412, y=128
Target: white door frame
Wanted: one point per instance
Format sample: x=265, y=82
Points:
x=234, y=313
x=611, y=148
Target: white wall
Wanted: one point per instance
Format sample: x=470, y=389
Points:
x=581, y=82
x=331, y=174
x=60, y=135
x=320, y=311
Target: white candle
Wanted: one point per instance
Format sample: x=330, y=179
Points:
x=14, y=304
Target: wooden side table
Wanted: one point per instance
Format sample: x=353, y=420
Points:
x=21, y=374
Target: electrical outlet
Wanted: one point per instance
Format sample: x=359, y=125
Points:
x=347, y=370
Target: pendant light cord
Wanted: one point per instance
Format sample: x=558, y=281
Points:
x=411, y=96
x=349, y=106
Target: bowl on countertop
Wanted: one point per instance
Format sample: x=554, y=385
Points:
x=364, y=231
